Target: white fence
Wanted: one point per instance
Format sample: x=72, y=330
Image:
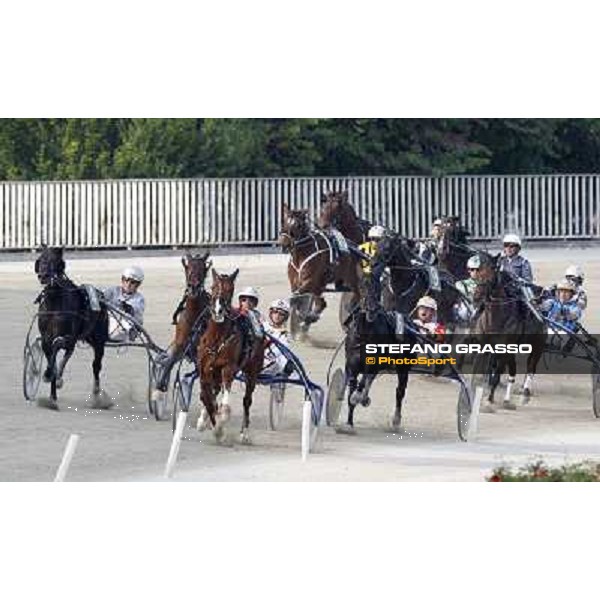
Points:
x=138, y=213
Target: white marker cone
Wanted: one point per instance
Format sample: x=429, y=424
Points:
x=181, y=419
x=66, y=459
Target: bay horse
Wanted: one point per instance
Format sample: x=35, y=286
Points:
x=190, y=317
x=454, y=250
x=338, y=213
x=504, y=314
x=220, y=357
x=312, y=266
x=65, y=317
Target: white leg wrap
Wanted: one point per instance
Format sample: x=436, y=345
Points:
x=528, y=381
x=225, y=398
x=509, y=385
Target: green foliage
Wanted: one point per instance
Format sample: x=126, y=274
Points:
x=540, y=472
x=140, y=148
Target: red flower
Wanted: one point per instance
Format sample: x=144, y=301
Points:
x=495, y=478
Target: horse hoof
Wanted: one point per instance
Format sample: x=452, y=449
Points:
x=355, y=398
x=224, y=413
x=203, y=423
x=102, y=400
x=527, y=393
x=509, y=405
x=245, y=438
x=345, y=429
x=48, y=403
x=394, y=425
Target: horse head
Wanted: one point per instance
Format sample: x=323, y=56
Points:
x=489, y=282
x=50, y=265
x=221, y=294
x=335, y=209
x=196, y=267
x=295, y=227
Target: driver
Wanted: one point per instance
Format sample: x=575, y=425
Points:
x=129, y=299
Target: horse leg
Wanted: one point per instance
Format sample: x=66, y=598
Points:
x=101, y=398
x=512, y=372
x=50, y=350
x=352, y=383
x=250, y=386
x=207, y=399
x=361, y=394
x=532, y=363
x=47, y=349
x=400, y=393
x=62, y=364
x=224, y=409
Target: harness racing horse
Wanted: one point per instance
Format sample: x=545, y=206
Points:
x=65, y=317
x=312, y=266
x=410, y=279
x=504, y=310
x=190, y=317
x=371, y=321
x=454, y=251
x=338, y=213
x=219, y=358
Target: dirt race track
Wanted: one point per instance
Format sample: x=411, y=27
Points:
x=126, y=443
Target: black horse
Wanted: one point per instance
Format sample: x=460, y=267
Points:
x=380, y=326
x=66, y=315
x=410, y=279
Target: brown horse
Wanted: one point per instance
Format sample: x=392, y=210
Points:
x=190, y=316
x=453, y=248
x=313, y=265
x=338, y=213
x=220, y=358
x=504, y=314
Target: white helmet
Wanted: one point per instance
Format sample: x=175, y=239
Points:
x=249, y=292
x=376, y=232
x=437, y=222
x=566, y=285
x=282, y=305
x=474, y=262
x=512, y=238
x=135, y=273
x=427, y=302
x=574, y=271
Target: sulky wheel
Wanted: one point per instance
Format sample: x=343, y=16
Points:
x=158, y=402
x=335, y=397
x=277, y=406
x=596, y=392
x=479, y=378
x=32, y=370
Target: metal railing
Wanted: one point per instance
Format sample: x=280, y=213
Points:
x=145, y=213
